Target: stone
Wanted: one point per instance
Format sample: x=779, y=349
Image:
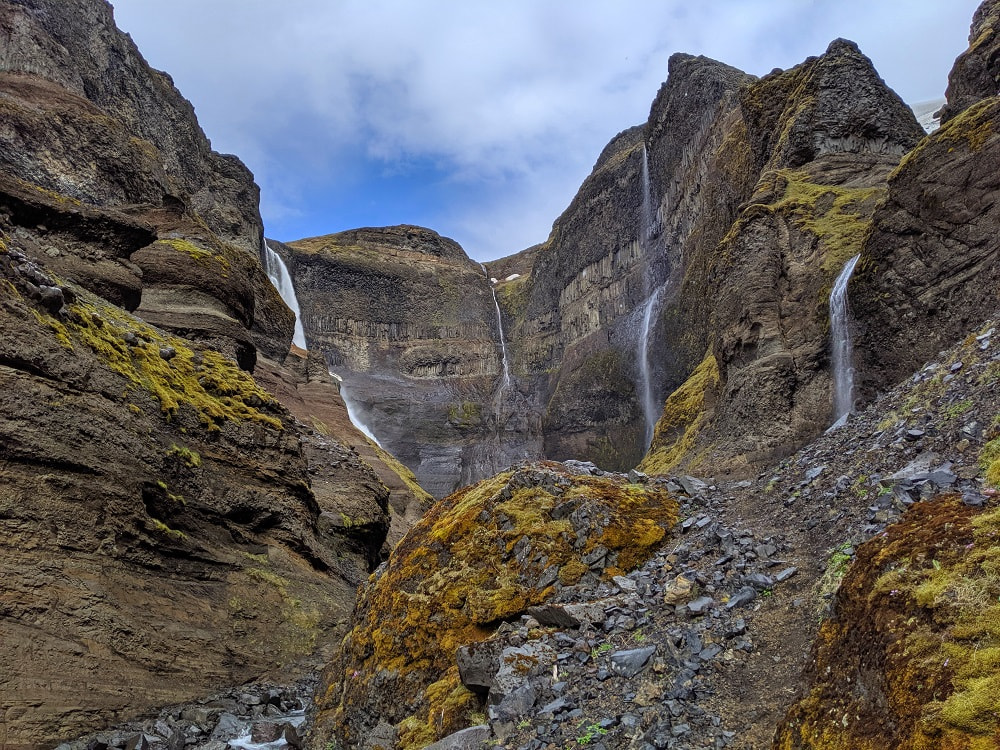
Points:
x=759, y=581
x=692, y=486
x=630, y=662
x=471, y=738
x=742, y=597
x=785, y=574
x=701, y=605
x=678, y=590
x=265, y=731
x=567, y=615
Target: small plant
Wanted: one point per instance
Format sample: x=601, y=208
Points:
x=638, y=636
x=523, y=724
x=590, y=733
x=602, y=649
x=190, y=458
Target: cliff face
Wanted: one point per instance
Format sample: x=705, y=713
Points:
x=410, y=325
x=170, y=528
x=703, y=245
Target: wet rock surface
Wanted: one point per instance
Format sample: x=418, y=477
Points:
x=243, y=717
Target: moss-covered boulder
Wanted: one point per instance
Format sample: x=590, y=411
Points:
x=910, y=657
x=481, y=556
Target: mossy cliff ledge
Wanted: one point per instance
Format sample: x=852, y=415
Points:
x=480, y=557
x=910, y=656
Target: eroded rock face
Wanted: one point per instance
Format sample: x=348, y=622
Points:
x=409, y=323
x=481, y=556
x=165, y=535
x=931, y=263
x=171, y=529
x=976, y=74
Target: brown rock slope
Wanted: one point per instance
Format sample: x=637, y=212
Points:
x=164, y=536
x=479, y=557
x=170, y=528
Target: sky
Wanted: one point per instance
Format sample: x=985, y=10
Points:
x=480, y=119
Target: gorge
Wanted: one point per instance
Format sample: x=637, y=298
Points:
x=603, y=509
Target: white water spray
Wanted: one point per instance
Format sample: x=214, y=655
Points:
x=840, y=344
x=278, y=273
x=505, y=383
x=352, y=409
x=647, y=399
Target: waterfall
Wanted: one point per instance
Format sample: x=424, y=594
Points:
x=278, y=273
x=505, y=383
x=647, y=398
x=352, y=410
x=840, y=344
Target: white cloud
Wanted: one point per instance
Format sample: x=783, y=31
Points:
x=513, y=100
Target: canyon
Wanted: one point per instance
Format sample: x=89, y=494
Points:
x=714, y=465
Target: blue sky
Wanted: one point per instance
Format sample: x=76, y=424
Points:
x=480, y=119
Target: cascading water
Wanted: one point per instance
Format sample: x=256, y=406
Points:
x=647, y=398
x=840, y=344
x=505, y=383
x=277, y=272
x=352, y=409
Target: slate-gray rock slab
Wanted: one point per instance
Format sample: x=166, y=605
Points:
x=629, y=663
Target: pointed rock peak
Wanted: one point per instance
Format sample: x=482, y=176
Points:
x=829, y=104
x=842, y=46
x=976, y=73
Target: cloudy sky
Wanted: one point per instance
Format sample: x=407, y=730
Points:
x=478, y=118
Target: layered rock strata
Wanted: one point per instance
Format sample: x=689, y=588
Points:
x=409, y=324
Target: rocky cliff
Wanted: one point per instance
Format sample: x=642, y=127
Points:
x=170, y=527
x=410, y=324
x=703, y=245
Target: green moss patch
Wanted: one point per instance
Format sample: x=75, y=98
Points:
x=204, y=380
x=478, y=557
x=685, y=414
x=911, y=657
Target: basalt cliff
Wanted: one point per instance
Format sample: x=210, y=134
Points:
x=697, y=256
x=198, y=543
x=171, y=525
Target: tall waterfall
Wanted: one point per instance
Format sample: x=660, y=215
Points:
x=840, y=344
x=277, y=272
x=650, y=410
x=505, y=383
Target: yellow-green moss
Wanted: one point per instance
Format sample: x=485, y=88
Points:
x=989, y=460
x=162, y=528
x=973, y=127
x=463, y=568
x=840, y=217
x=684, y=415
x=205, y=380
x=920, y=608
x=407, y=476
x=201, y=255
x=191, y=458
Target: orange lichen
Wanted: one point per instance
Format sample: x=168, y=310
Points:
x=475, y=559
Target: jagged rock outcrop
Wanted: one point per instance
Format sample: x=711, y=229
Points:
x=976, y=74
x=822, y=137
x=410, y=325
x=479, y=557
x=931, y=265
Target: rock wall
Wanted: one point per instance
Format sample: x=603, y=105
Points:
x=410, y=325
x=170, y=528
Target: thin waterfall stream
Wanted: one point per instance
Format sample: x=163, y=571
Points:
x=278, y=273
x=840, y=345
x=647, y=398
x=505, y=383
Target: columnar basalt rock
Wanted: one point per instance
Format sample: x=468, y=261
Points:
x=408, y=322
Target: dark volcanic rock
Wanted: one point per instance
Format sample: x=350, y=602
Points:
x=410, y=325
x=976, y=74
